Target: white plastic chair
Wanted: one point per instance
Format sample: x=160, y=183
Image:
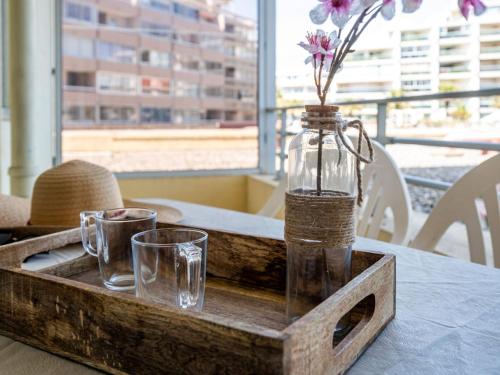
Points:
x=460, y=204
x=276, y=201
x=384, y=189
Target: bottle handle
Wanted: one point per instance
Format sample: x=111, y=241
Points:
x=188, y=275
x=85, y=218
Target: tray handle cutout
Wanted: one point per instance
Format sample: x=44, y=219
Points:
x=353, y=322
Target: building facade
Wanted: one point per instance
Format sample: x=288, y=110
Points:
x=157, y=63
x=457, y=55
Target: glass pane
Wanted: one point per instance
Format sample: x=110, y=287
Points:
x=4, y=38
x=160, y=85
x=432, y=51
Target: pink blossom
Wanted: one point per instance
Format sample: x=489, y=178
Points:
x=320, y=46
x=410, y=6
x=339, y=10
x=477, y=5
x=389, y=6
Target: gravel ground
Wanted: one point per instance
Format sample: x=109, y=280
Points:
x=424, y=199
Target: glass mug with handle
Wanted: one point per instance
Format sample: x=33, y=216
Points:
x=114, y=229
x=170, y=266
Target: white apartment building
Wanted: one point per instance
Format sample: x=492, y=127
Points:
x=454, y=56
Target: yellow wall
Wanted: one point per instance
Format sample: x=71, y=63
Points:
x=219, y=191
x=240, y=193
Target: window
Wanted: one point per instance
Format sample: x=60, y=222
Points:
x=78, y=114
x=115, y=52
x=232, y=93
x=213, y=92
x=183, y=62
x=78, y=47
x=187, y=117
x=186, y=89
x=208, y=17
x=214, y=114
x=158, y=66
x=117, y=115
x=155, y=86
x=80, y=79
x=155, y=29
x=230, y=115
x=212, y=42
x=213, y=67
x=416, y=85
x=415, y=52
x=186, y=38
x=153, y=115
x=78, y=12
x=115, y=21
x=158, y=5
x=155, y=58
x=185, y=11
x=116, y=83
x=4, y=62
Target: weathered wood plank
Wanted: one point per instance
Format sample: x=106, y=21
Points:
x=262, y=307
x=311, y=348
x=14, y=254
x=252, y=260
x=118, y=333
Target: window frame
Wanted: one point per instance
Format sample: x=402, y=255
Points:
x=266, y=98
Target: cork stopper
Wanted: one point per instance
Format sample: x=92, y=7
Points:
x=322, y=108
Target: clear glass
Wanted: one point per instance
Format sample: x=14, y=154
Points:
x=170, y=266
x=315, y=273
x=114, y=229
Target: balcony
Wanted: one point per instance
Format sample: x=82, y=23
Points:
x=414, y=36
x=490, y=70
x=489, y=34
x=369, y=56
x=490, y=50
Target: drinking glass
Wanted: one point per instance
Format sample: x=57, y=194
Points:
x=169, y=266
x=114, y=229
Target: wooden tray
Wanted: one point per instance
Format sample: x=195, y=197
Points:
x=23, y=233
x=242, y=329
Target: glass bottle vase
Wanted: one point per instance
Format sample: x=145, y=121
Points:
x=320, y=169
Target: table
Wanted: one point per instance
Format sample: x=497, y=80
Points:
x=447, y=316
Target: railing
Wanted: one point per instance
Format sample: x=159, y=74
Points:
x=381, y=135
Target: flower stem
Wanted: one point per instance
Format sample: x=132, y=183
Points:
x=320, y=163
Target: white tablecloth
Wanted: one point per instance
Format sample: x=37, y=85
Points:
x=447, y=319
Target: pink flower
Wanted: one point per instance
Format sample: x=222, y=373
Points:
x=320, y=46
x=340, y=11
x=477, y=5
x=389, y=7
x=410, y=6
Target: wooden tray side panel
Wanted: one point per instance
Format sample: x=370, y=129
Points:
x=13, y=255
x=246, y=259
x=310, y=349
x=119, y=335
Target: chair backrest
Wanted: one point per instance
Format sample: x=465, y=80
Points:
x=459, y=204
x=384, y=189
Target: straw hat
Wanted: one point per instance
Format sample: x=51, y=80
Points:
x=14, y=211
x=61, y=193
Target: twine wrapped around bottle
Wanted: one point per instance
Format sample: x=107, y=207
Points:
x=327, y=219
